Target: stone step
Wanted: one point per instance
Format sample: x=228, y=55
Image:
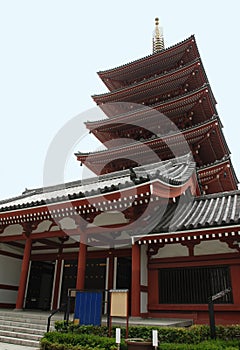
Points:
x=27, y=321
x=22, y=329
x=25, y=328
x=19, y=341
x=22, y=323
x=26, y=336
x=29, y=317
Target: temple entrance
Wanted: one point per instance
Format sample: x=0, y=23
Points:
x=40, y=285
x=69, y=279
x=124, y=276
x=124, y=273
x=95, y=276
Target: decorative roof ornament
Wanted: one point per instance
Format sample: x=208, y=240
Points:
x=158, y=40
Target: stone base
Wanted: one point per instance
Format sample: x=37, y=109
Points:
x=135, y=344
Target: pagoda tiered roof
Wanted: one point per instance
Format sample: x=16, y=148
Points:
x=218, y=176
x=205, y=140
x=172, y=82
x=189, y=109
x=159, y=87
x=159, y=62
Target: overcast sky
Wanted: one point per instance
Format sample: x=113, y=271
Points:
x=52, y=49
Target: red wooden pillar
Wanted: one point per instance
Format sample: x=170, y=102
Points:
x=135, y=290
x=82, y=256
x=57, y=279
x=235, y=274
x=24, y=274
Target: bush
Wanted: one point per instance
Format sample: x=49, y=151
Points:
x=192, y=335
x=62, y=327
x=72, y=341
x=206, y=345
x=76, y=337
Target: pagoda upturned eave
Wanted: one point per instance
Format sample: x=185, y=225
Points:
x=186, y=77
x=175, y=106
x=218, y=176
x=198, y=135
x=146, y=66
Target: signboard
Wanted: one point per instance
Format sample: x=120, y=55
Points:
x=211, y=300
x=119, y=303
x=118, y=306
x=220, y=294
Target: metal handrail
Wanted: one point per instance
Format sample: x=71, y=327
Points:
x=61, y=308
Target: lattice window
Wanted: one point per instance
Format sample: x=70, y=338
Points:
x=193, y=285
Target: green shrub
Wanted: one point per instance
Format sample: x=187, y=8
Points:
x=206, y=345
x=73, y=341
x=197, y=337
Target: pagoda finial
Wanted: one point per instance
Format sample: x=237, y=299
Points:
x=158, y=41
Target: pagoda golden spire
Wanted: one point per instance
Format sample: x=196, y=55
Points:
x=158, y=41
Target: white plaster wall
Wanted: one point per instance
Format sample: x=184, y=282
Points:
x=171, y=250
x=144, y=271
x=43, y=226
x=144, y=302
x=212, y=247
x=10, y=249
x=10, y=230
x=8, y=296
x=10, y=269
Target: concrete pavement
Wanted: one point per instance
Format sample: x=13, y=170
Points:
x=5, y=346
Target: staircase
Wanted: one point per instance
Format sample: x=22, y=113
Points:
x=24, y=327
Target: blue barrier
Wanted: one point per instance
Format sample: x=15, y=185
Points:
x=88, y=308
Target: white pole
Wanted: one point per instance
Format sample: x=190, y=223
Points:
x=118, y=337
x=155, y=338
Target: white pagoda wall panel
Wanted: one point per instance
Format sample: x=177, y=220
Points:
x=9, y=276
x=171, y=251
x=213, y=247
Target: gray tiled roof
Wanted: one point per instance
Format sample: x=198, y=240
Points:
x=214, y=210
x=174, y=172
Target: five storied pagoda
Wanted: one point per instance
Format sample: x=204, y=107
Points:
x=160, y=218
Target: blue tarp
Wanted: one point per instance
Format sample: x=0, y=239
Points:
x=88, y=308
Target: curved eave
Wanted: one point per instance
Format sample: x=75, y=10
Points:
x=207, y=212
x=188, y=99
x=33, y=213
x=164, y=83
x=226, y=161
x=169, y=107
x=173, y=172
x=190, y=134
x=158, y=58
x=224, y=232
x=217, y=177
